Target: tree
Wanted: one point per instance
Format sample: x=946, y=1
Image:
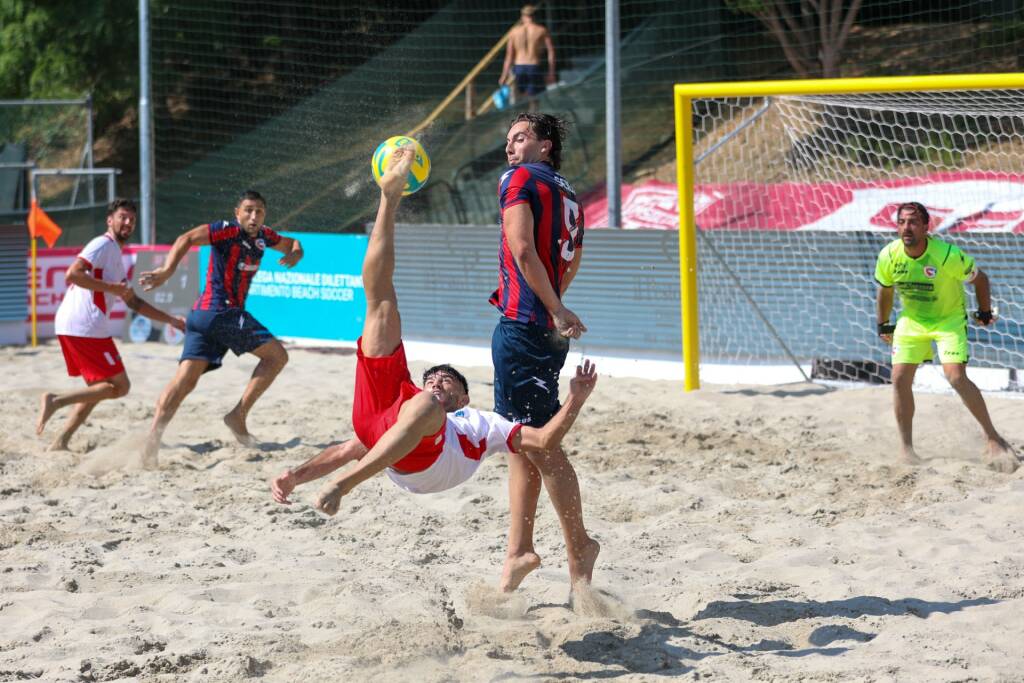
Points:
x=812, y=33
x=68, y=48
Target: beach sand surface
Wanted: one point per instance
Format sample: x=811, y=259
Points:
x=748, y=533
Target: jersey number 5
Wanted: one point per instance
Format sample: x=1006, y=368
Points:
x=571, y=222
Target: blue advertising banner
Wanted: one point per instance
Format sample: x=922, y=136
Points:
x=322, y=297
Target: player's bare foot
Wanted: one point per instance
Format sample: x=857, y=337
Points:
x=582, y=569
x=515, y=570
x=908, y=456
x=236, y=423
x=394, y=179
x=46, y=411
x=999, y=456
x=60, y=443
x=328, y=500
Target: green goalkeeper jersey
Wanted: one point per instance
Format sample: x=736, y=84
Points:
x=930, y=286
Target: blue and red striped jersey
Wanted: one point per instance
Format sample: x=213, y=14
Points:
x=557, y=233
x=234, y=259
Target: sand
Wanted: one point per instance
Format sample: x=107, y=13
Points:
x=747, y=533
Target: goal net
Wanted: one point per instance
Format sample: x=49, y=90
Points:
x=793, y=196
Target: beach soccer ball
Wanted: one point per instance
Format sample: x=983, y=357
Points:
x=420, y=170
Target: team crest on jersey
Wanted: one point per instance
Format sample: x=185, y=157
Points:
x=261, y=243
x=930, y=271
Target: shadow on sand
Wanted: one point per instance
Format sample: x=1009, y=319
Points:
x=797, y=390
x=666, y=646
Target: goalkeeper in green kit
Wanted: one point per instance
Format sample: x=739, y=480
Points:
x=929, y=275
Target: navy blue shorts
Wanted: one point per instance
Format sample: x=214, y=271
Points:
x=527, y=360
x=210, y=334
x=529, y=79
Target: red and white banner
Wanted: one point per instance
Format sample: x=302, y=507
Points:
x=964, y=201
x=51, y=264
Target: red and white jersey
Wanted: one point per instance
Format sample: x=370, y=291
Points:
x=84, y=312
x=469, y=437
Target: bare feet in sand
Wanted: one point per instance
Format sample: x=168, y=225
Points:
x=515, y=570
x=60, y=443
x=46, y=411
x=1000, y=457
x=583, y=568
x=328, y=500
x=908, y=456
x=236, y=423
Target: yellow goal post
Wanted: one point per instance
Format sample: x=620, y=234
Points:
x=686, y=94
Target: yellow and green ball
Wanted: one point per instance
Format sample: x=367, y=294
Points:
x=418, y=174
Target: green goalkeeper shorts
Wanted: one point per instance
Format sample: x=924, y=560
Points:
x=912, y=341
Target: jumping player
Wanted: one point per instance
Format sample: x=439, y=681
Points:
x=427, y=440
x=540, y=254
x=929, y=275
x=218, y=320
x=82, y=321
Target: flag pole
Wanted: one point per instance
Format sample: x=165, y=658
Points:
x=32, y=249
x=35, y=338
x=51, y=233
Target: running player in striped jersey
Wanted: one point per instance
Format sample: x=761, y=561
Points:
x=427, y=440
x=218, y=321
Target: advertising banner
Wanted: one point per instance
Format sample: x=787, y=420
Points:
x=175, y=296
x=51, y=264
x=962, y=201
x=320, y=298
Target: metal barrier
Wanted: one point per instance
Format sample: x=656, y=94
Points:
x=627, y=291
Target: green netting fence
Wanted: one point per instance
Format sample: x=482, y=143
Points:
x=291, y=97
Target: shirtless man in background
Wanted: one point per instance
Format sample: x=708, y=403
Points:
x=522, y=56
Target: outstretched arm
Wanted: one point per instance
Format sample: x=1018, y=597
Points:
x=196, y=237
x=549, y=436
x=292, y=251
x=143, y=307
x=320, y=465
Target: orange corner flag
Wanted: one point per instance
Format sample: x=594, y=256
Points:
x=41, y=225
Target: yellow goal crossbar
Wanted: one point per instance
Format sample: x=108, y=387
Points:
x=685, y=93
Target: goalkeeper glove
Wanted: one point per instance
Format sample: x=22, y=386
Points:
x=983, y=317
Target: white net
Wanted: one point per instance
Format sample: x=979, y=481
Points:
x=795, y=195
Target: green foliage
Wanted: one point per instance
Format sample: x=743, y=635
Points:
x=67, y=48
